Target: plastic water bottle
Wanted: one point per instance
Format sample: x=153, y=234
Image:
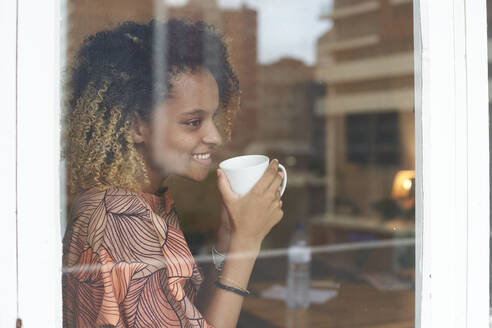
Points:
x=298, y=275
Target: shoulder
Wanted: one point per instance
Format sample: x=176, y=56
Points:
x=92, y=208
x=113, y=200
x=118, y=219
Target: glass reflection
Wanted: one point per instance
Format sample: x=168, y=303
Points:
x=327, y=89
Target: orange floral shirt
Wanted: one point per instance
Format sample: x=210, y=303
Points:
x=127, y=263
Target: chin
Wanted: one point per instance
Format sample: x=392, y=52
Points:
x=195, y=176
x=200, y=178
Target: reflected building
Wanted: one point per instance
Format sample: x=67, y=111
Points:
x=283, y=121
x=88, y=17
x=290, y=129
x=366, y=61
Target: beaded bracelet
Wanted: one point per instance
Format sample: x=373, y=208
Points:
x=232, y=289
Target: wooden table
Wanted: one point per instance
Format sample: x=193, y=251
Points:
x=360, y=306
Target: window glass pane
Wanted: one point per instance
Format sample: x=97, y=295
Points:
x=324, y=86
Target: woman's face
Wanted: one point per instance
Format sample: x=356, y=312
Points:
x=182, y=133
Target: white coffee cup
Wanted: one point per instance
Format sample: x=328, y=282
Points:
x=243, y=172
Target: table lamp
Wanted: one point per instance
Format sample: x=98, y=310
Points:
x=403, y=188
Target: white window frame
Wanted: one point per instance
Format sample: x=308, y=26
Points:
x=452, y=235
x=8, y=241
x=32, y=186
x=452, y=163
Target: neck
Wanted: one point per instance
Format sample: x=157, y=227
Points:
x=156, y=177
x=156, y=181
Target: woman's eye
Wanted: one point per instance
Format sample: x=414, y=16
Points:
x=194, y=123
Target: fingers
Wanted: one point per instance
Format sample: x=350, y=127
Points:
x=278, y=213
x=268, y=177
x=224, y=186
x=277, y=182
x=277, y=203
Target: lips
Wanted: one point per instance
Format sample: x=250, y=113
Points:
x=202, y=158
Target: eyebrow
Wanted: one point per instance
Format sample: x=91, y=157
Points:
x=197, y=112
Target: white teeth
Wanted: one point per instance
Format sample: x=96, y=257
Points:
x=201, y=156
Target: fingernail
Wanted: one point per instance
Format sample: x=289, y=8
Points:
x=275, y=160
x=219, y=172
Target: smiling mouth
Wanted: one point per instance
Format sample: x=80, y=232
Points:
x=204, y=158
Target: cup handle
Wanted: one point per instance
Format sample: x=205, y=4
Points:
x=284, y=181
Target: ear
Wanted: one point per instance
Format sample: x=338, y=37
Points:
x=139, y=130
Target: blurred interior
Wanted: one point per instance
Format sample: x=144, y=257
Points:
x=342, y=123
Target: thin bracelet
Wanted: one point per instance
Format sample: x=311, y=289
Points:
x=232, y=289
x=234, y=284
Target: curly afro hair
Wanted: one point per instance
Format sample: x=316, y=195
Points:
x=118, y=73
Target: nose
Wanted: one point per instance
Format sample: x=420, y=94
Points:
x=212, y=135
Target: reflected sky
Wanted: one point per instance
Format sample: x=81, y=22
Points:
x=286, y=27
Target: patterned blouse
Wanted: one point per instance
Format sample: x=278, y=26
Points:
x=127, y=264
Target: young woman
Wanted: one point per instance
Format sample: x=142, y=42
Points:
x=147, y=102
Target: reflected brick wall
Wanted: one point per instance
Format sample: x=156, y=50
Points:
x=85, y=17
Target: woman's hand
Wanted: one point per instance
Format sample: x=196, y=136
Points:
x=252, y=216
